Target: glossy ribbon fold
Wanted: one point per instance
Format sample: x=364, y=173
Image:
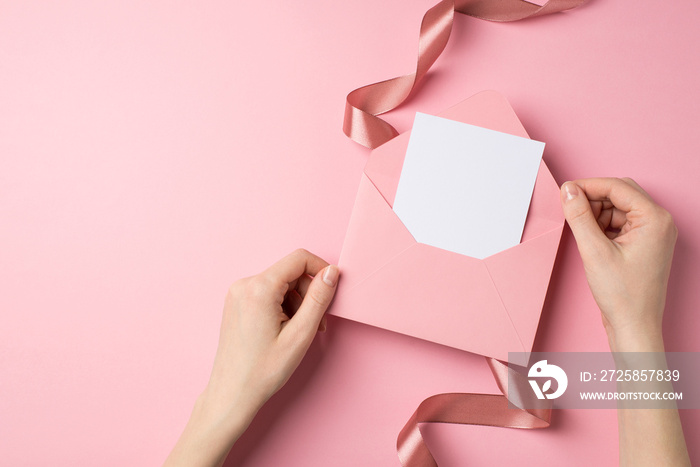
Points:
x=363, y=105
x=474, y=409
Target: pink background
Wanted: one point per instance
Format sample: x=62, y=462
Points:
x=152, y=153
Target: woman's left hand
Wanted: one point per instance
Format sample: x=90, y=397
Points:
x=268, y=324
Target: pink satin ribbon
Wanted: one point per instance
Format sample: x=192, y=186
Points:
x=474, y=409
x=361, y=123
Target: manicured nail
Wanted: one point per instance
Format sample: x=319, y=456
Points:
x=570, y=190
x=330, y=275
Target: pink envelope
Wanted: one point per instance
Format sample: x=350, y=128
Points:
x=490, y=306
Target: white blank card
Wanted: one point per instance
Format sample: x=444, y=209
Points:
x=464, y=188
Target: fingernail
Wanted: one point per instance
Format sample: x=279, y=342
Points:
x=324, y=325
x=330, y=275
x=569, y=191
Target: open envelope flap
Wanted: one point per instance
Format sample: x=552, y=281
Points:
x=375, y=235
x=545, y=211
x=521, y=277
x=393, y=282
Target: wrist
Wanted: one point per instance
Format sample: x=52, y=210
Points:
x=228, y=413
x=636, y=338
x=210, y=433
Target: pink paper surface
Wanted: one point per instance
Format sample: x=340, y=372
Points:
x=152, y=153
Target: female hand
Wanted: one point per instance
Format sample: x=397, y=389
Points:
x=268, y=323
x=626, y=242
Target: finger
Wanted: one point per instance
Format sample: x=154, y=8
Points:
x=323, y=325
x=597, y=207
x=292, y=302
x=577, y=210
x=610, y=218
x=635, y=185
x=603, y=218
x=292, y=266
x=302, y=328
x=302, y=285
x=619, y=218
x=622, y=195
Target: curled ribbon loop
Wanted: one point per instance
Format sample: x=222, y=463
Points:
x=474, y=409
x=363, y=105
x=362, y=125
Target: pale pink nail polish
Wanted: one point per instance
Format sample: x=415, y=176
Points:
x=571, y=191
x=330, y=275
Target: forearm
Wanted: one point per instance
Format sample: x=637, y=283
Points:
x=652, y=437
x=210, y=433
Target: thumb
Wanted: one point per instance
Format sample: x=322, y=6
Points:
x=316, y=300
x=579, y=215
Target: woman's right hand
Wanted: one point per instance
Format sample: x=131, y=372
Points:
x=626, y=242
